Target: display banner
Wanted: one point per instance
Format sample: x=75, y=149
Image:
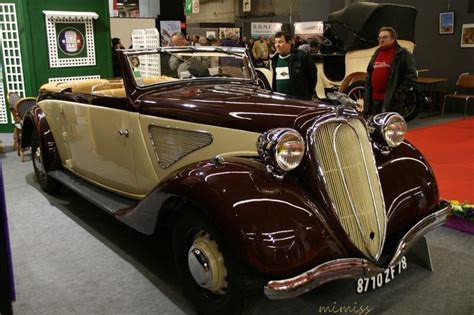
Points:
x=246, y=5
x=265, y=29
x=309, y=29
x=188, y=7
x=167, y=29
x=7, y=289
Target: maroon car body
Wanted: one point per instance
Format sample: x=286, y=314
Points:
x=284, y=227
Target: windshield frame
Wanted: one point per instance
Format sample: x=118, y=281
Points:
x=173, y=51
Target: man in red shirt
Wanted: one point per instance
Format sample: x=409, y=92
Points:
x=390, y=74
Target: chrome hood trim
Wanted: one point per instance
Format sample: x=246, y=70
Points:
x=352, y=268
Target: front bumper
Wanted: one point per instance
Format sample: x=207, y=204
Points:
x=352, y=268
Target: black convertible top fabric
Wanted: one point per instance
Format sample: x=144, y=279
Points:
x=356, y=25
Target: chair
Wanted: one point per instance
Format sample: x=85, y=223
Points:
x=13, y=98
x=19, y=110
x=464, y=91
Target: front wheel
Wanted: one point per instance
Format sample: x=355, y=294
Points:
x=262, y=81
x=212, y=279
x=47, y=183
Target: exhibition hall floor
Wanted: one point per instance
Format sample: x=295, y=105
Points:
x=69, y=257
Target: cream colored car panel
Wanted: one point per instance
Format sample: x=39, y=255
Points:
x=128, y=165
x=60, y=130
x=225, y=141
x=93, y=147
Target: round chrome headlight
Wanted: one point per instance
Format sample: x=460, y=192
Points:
x=282, y=148
x=394, y=130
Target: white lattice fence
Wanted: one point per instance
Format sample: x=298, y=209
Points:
x=11, y=56
x=149, y=38
x=67, y=79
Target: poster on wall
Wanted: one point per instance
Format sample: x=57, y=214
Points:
x=467, y=36
x=210, y=34
x=167, y=29
x=265, y=29
x=70, y=38
x=307, y=30
x=225, y=30
x=446, y=23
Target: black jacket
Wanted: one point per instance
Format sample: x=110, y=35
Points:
x=402, y=78
x=303, y=74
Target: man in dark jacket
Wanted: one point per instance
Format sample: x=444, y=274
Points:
x=294, y=72
x=391, y=73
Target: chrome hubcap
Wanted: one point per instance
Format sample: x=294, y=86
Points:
x=206, y=264
x=38, y=161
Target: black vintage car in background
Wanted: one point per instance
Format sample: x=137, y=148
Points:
x=265, y=194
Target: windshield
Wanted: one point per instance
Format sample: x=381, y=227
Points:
x=183, y=63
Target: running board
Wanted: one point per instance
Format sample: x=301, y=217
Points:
x=103, y=199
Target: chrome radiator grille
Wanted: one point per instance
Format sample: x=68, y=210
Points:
x=348, y=168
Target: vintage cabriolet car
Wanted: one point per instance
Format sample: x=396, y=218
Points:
x=265, y=194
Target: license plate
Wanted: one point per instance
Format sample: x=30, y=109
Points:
x=371, y=283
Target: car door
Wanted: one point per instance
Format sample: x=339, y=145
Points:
x=99, y=145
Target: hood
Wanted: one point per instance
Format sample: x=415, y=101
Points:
x=231, y=105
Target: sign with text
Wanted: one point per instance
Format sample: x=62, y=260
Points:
x=246, y=5
x=188, y=7
x=265, y=29
x=309, y=29
x=195, y=6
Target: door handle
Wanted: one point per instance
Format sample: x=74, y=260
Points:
x=123, y=132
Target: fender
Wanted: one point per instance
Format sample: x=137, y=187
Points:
x=271, y=224
x=409, y=186
x=350, y=79
x=35, y=121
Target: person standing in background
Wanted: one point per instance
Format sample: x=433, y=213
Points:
x=391, y=73
x=294, y=72
x=116, y=44
x=260, y=51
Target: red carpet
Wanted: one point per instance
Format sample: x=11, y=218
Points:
x=449, y=148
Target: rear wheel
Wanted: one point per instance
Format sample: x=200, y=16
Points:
x=212, y=278
x=47, y=183
x=411, y=104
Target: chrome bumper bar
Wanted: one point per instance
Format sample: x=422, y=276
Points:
x=352, y=268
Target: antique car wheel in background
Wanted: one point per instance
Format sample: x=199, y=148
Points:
x=411, y=106
x=356, y=91
x=47, y=183
x=262, y=81
x=212, y=279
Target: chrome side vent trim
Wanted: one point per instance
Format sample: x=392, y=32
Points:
x=347, y=166
x=172, y=144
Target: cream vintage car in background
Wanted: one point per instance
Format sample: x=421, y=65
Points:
x=265, y=194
